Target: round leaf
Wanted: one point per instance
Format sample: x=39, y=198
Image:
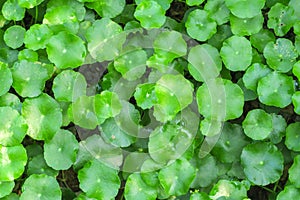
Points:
x=211, y=106
x=145, y=95
x=200, y=26
x=11, y=10
x=245, y=9
x=258, y=124
x=236, y=53
x=28, y=54
x=217, y=10
x=60, y=152
x=261, y=39
x=10, y=100
x=131, y=65
x=281, y=18
x=12, y=162
x=14, y=36
x=41, y=186
x=98, y=180
x=296, y=69
x=43, y=116
x=29, y=3
x=150, y=14
x=38, y=165
x=107, y=8
x=279, y=126
x=294, y=175
x=5, y=78
x=296, y=101
x=37, y=36
x=262, y=162
x=136, y=188
x=292, y=139
x=246, y=26
x=177, y=177
x=170, y=98
x=12, y=127
x=69, y=85
x=66, y=50
x=226, y=189
x=275, y=89
x=289, y=192
x=6, y=188
x=29, y=78
x=280, y=56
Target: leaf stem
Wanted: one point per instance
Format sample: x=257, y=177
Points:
x=268, y=189
x=36, y=14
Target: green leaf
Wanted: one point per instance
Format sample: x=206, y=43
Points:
x=43, y=116
x=14, y=36
x=10, y=100
x=68, y=86
x=38, y=165
x=66, y=50
x=11, y=10
x=212, y=105
x=177, y=177
x=12, y=127
x=292, y=139
x=294, y=175
x=206, y=171
x=94, y=147
x=236, y=53
x=296, y=101
x=107, y=8
x=136, y=188
x=98, y=180
x=82, y=112
x=6, y=188
x=41, y=186
x=104, y=43
x=169, y=142
x=230, y=144
x=217, y=10
x=76, y=7
x=262, y=162
x=170, y=45
x=233, y=190
x=204, y=62
x=280, y=55
x=275, y=89
x=150, y=14
x=279, y=126
x=281, y=19
x=253, y=74
x=200, y=26
x=37, y=36
x=245, y=9
x=12, y=162
x=223, y=32
x=29, y=3
x=194, y=2
x=5, y=78
x=296, y=69
x=29, y=55
x=170, y=98
x=29, y=78
x=200, y=196
x=145, y=95
x=60, y=152
x=132, y=65
x=107, y=104
x=261, y=39
x=258, y=124
x=165, y=4
x=289, y=192
x=246, y=26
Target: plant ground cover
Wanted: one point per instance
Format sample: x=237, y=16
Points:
x=149, y=99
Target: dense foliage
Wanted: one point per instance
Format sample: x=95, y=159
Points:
x=149, y=99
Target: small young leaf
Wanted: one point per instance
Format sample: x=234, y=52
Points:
x=150, y=14
x=66, y=50
x=236, y=53
x=262, y=162
x=98, y=180
x=200, y=26
x=60, y=152
x=41, y=186
x=276, y=89
x=11, y=10
x=145, y=95
x=14, y=36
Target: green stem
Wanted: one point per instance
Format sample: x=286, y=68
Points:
x=267, y=189
x=275, y=187
x=36, y=14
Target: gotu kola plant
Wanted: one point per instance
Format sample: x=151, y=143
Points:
x=149, y=99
